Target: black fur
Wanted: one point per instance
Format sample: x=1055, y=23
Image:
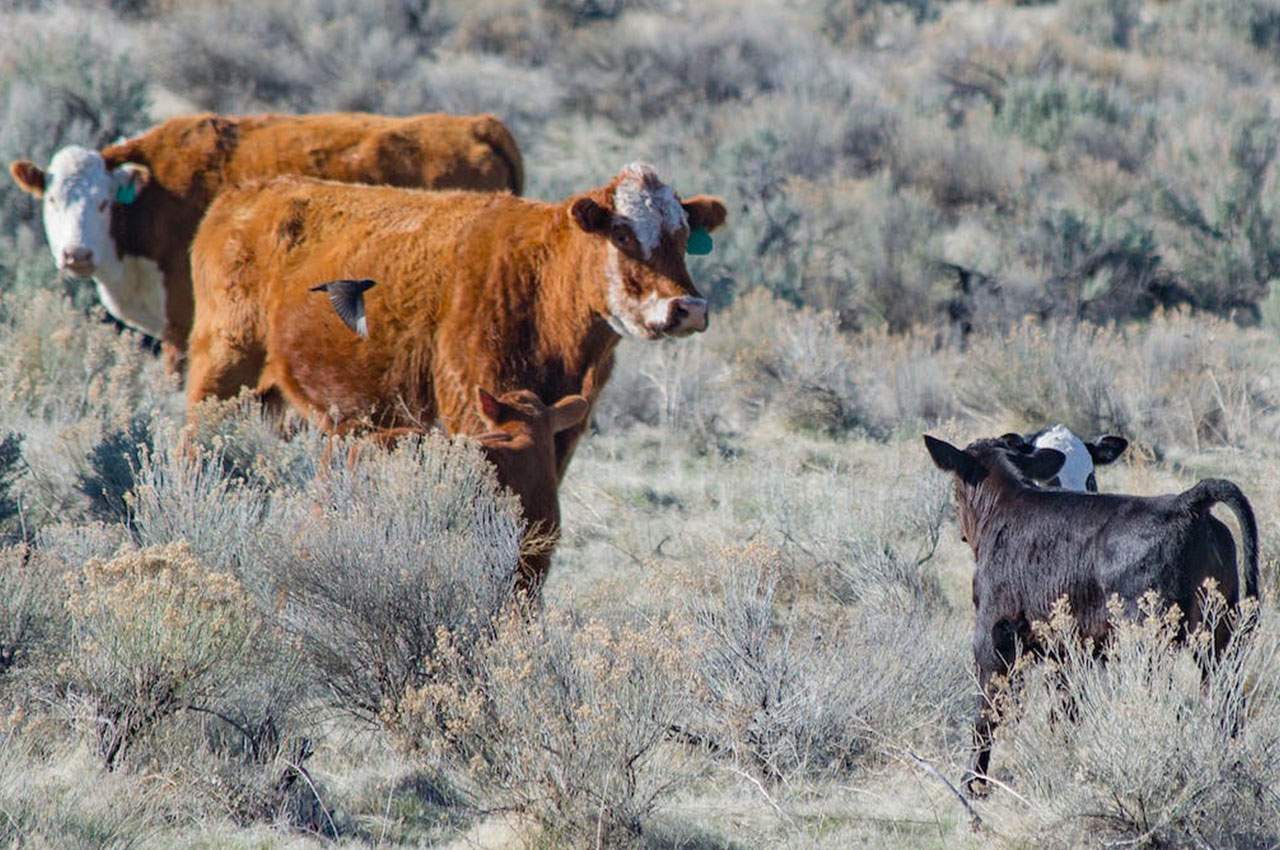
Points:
x=1034, y=545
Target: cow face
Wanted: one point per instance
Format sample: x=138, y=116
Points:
x=78, y=193
x=1077, y=471
x=648, y=291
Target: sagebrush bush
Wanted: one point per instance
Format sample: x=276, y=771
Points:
x=563, y=720
x=792, y=694
x=370, y=563
x=153, y=633
x=32, y=619
x=1148, y=754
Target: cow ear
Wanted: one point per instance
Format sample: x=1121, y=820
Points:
x=128, y=180
x=567, y=412
x=592, y=216
x=28, y=176
x=492, y=411
x=1106, y=449
x=1041, y=465
x=950, y=459
x=705, y=212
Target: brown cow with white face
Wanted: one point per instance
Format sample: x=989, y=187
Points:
x=125, y=216
x=473, y=290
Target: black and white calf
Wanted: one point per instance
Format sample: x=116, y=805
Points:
x=1035, y=545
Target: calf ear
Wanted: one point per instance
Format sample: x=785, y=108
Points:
x=1106, y=449
x=492, y=411
x=567, y=412
x=591, y=216
x=128, y=180
x=950, y=459
x=28, y=176
x=1041, y=465
x=705, y=212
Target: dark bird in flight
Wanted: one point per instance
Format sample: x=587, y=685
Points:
x=347, y=298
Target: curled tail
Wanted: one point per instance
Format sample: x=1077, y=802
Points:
x=1211, y=490
x=490, y=130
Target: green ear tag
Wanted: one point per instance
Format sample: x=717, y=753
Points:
x=699, y=242
x=126, y=194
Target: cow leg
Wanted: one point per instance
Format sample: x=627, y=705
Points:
x=984, y=725
x=219, y=369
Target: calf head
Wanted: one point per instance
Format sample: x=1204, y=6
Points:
x=78, y=193
x=518, y=420
x=648, y=292
x=1077, y=471
x=984, y=469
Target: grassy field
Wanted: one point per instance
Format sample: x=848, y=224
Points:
x=953, y=218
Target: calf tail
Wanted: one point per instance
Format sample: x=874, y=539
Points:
x=1211, y=490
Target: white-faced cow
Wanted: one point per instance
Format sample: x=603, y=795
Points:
x=1080, y=458
x=1035, y=545
x=473, y=290
x=125, y=216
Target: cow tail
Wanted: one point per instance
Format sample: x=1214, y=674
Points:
x=495, y=134
x=1211, y=490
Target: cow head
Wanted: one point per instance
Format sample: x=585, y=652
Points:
x=78, y=193
x=521, y=412
x=985, y=460
x=1077, y=471
x=648, y=291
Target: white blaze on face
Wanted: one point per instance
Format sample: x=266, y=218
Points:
x=77, y=212
x=1075, y=472
x=648, y=206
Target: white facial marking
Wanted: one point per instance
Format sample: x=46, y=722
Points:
x=137, y=296
x=642, y=318
x=648, y=206
x=1078, y=466
x=77, y=212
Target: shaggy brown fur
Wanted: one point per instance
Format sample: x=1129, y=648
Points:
x=191, y=158
x=473, y=290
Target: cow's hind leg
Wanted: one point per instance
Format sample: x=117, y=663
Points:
x=219, y=368
x=984, y=725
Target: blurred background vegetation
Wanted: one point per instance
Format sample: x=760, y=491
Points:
x=964, y=217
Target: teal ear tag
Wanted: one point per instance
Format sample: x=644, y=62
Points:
x=126, y=194
x=699, y=242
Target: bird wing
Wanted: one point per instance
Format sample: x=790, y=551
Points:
x=347, y=298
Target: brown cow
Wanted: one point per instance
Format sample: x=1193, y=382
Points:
x=473, y=290
x=126, y=216
x=521, y=446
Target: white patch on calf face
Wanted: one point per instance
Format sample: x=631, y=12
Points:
x=137, y=296
x=1075, y=472
x=648, y=206
x=77, y=213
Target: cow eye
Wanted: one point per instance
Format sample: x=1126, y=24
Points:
x=624, y=238
x=1091, y=483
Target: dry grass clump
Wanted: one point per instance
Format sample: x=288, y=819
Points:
x=32, y=618
x=562, y=719
x=1132, y=747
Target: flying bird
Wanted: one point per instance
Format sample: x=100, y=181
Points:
x=347, y=298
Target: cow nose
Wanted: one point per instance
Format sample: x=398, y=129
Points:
x=686, y=316
x=77, y=258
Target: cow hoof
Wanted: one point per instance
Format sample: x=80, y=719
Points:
x=975, y=786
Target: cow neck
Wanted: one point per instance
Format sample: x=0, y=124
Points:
x=573, y=337
x=983, y=507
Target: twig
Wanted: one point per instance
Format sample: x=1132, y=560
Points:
x=975, y=821
x=302, y=771
x=760, y=787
